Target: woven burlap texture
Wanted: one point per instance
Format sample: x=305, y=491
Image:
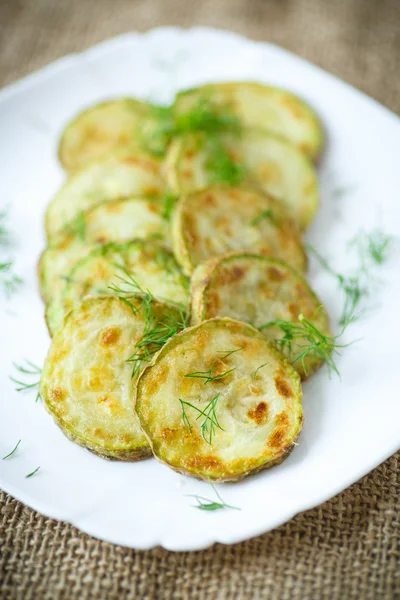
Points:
x=348, y=547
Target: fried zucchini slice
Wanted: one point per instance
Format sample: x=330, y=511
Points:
x=265, y=107
x=119, y=175
x=114, y=221
x=256, y=289
x=130, y=268
x=116, y=124
x=223, y=218
x=194, y=161
x=230, y=402
x=87, y=383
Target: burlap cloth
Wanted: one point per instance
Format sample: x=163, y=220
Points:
x=346, y=548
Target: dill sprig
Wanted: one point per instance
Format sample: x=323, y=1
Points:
x=210, y=505
x=265, y=214
x=13, y=451
x=210, y=421
x=374, y=246
x=227, y=353
x=168, y=202
x=77, y=226
x=30, y=370
x=308, y=340
x=219, y=165
x=355, y=287
x=201, y=117
x=208, y=376
x=9, y=280
x=33, y=473
x=157, y=331
x=258, y=368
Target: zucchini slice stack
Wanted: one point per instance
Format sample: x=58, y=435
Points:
x=191, y=214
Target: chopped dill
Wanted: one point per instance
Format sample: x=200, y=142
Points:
x=258, y=368
x=8, y=279
x=208, y=376
x=33, y=473
x=355, y=287
x=309, y=342
x=30, y=370
x=220, y=166
x=201, y=117
x=210, y=421
x=227, y=353
x=168, y=204
x=12, y=451
x=210, y=505
x=265, y=214
x=77, y=226
x=375, y=246
x=157, y=330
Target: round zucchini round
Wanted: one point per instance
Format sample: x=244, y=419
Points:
x=230, y=406
x=223, y=218
x=116, y=124
x=194, y=161
x=259, y=290
x=114, y=221
x=87, y=383
x=116, y=176
x=264, y=107
x=124, y=267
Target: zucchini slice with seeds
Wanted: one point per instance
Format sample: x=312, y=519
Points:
x=222, y=218
x=87, y=382
x=122, y=266
x=264, y=107
x=116, y=176
x=114, y=221
x=194, y=161
x=256, y=289
x=230, y=406
x=104, y=127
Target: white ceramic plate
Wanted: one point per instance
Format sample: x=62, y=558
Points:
x=351, y=425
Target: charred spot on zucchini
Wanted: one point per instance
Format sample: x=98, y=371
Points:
x=222, y=218
x=271, y=296
x=226, y=429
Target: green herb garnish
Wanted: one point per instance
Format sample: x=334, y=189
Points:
x=9, y=280
x=258, y=368
x=210, y=421
x=207, y=504
x=29, y=370
x=77, y=226
x=355, y=287
x=265, y=214
x=227, y=353
x=309, y=341
x=33, y=473
x=219, y=165
x=202, y=117
x=375, y=246
x=12, y=451
x=157, y=331
x=208, y=376
x=168, y=204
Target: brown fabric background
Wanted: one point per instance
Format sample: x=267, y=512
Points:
x=348, y=547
